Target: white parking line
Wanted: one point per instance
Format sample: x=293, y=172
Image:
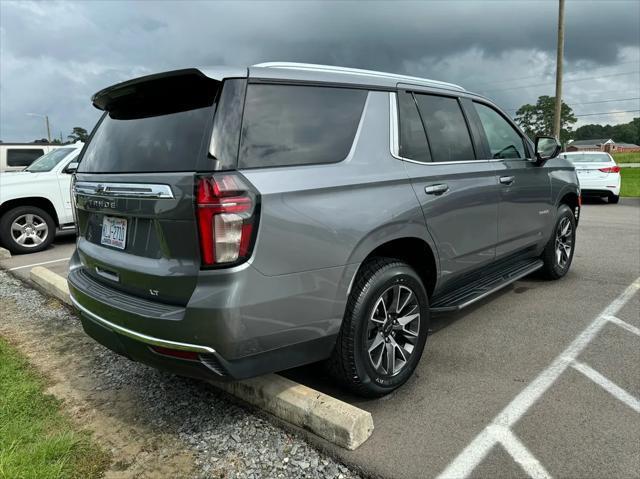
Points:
x=629, y=327
x=463, y=465
x=38, y=264
x=608, y=385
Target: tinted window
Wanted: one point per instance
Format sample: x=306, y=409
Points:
x=158, y=143
x=50, y=160
x=23, y=157
x=447, y=131
x=413, y=141
x=504, y=140
x=154, y=125
x=295, y=125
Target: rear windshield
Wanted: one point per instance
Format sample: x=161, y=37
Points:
x=587, y=157
x=156, y=124
x=162, y=143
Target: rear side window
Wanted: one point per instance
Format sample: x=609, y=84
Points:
x=286, y=125
x=413, y=141
x=504, y=140
x=447, y=131
x=23, y=156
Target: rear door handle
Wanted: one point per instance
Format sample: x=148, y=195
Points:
x=436, y=189
x=507, y=180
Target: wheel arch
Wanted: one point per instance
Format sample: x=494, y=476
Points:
x=413, y=250
x=572, y=200
x=37, y=201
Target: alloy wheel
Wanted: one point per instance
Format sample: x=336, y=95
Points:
x=393, y=329
x=29, y=230
x=564, y=242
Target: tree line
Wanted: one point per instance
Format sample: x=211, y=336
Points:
x=77, y=134
x=537, y=120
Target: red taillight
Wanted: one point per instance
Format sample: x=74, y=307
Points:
x=176, y=353
x=226, y=208
x=610, y=169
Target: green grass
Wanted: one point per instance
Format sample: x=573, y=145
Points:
x=627, y=157
x=630, y=182
x=37, y=440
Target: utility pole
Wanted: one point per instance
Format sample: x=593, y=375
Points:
x=557, y=124
x=46, y=123
x=46, y=120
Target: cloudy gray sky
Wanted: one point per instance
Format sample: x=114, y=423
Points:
x=54, y=55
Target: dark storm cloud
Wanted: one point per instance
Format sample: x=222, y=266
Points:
x=55, y=55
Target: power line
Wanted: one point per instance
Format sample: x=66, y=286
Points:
x=608, y=113
x=587, y=102
x=565, y=81
x=635, y=62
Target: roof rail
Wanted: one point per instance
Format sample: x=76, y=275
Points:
x=356, y=71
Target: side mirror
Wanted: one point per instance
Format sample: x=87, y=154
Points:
x=547, y=147
x=71, y=167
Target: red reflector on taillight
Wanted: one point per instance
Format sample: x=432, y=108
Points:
x=176, y=353
x=225, y=210
x=610, y=169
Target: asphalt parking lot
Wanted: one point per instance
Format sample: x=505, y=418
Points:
x=56, y=257
x=539, y=380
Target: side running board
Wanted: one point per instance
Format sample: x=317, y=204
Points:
x=484, y=286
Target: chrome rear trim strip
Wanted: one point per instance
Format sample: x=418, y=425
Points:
x=128, y=190
x=142, y=337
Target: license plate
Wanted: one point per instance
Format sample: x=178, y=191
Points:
x=114, y=232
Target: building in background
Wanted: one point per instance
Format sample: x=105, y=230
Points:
x=603, y=144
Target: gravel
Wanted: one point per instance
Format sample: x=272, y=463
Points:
x=226, y=439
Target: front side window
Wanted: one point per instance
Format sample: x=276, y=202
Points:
x=447, y=130
x=23, y=156
x=285, y=125
x=413, y=141
x=504, y=140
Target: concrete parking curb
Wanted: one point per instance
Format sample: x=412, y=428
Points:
x=5, y=253
x=336, y=421
x=51, y=283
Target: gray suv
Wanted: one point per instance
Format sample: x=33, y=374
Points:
x=236, y=222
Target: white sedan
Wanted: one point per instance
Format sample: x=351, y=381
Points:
x=37, y=201
x=598, y=174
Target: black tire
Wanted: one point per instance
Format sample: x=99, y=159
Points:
x=557, y=264
x=614, y=199
x=40, y=219
x=351, y=363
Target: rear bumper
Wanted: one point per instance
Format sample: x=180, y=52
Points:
x=601, y=187
x=208, y=365
x=245, y=326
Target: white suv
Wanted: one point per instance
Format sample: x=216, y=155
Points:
x=36, y=201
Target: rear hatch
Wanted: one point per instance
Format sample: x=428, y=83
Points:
x=135, y=187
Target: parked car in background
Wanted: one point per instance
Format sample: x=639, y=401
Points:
x=598, y=173
x=37, y=201
x=17, y=156
x=235, y=222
